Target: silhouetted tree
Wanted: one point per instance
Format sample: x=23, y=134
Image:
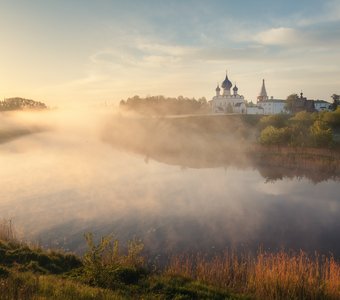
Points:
x=290, y=102
x=336, y=101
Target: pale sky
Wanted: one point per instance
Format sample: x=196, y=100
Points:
x=69, y=51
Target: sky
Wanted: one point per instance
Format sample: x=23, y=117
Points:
x=90, y=52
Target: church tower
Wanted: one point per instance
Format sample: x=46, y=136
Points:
x=263, y=94
x=218, y=90
x=226, y=85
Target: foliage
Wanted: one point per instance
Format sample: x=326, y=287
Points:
x=320, y=134
x=36, y=260
x=275, y=136
x=332, y=118
x=263, y=276
x=160, y=105
x=30, y=287
x=302, y=130
x=277, y=121
x=336, y=101
x=290, y=102
x=105, y=266
x=21, y=104
x=303, y=119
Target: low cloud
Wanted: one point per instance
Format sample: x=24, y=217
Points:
x=278, y=36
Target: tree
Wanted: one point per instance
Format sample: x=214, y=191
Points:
x=320, y=134
x=275, y=136
x=303, y=118
x=277, y=121
x=336, y=101
x=290, y=102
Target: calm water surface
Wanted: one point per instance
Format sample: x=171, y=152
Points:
x=57, y=187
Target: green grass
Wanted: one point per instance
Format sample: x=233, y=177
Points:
x=105, y=272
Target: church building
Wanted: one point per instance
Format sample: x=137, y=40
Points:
x=266, y=105
x=227, y=102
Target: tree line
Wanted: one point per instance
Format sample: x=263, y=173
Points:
x=21, y=104
x=160, y=105
x=304, y=129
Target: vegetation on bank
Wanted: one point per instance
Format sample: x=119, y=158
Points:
x=301, y=130
x=17, y=103
x=160, y=105
x=105, y=272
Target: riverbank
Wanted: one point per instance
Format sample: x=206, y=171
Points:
x=218, y=141
x=106, y=273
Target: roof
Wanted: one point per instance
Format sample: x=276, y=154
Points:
x=226, y=84
x=322, y=101
x=263, y=92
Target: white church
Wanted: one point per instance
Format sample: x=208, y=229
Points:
x=266, y=105
x=227, y=102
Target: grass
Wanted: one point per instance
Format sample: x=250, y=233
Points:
x=105, y=272
x=267, y=275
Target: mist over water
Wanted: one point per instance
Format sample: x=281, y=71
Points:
x=69, y=173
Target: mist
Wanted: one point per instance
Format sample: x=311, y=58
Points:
x=179, y=184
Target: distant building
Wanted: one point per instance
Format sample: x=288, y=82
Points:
x=303, y=104
x=265, y=105
x=235, y=103
x=227, y=102
x=322, y=105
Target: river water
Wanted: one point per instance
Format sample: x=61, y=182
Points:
x=57, y=186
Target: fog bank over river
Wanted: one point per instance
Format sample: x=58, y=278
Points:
x=68, y=177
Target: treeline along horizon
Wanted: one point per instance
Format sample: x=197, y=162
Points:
x=161, y=105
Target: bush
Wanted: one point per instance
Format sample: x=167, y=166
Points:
x=303, y=118
x=277, y=121
x=106, y=267
x=320, y=135
x=275, y=136
x=332, y=118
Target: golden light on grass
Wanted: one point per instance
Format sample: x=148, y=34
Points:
x=281, y=275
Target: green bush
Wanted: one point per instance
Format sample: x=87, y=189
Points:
x=275, y=136
x=320, y=135
x=277, y=121
x=303, y=118
x=332, y=118
x=36, y=260
x=106, y=267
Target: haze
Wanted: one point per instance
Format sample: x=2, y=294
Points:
x=71, y=175
x=72, y=53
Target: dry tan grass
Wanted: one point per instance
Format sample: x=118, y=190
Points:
x=267, y=275
x=6, y=230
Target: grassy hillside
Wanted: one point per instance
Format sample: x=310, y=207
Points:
x=105, y=272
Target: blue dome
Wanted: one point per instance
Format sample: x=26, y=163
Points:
x=226, y=84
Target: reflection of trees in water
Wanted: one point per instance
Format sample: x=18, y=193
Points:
x=274, y=173
x=202, y=142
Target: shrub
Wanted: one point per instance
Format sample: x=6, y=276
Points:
x=320, y=135
x=275, y=136
x=277, y=121
x=303, y=118
x=106, y=267
x=332, y=118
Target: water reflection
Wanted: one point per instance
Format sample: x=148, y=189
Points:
x=58, y=186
